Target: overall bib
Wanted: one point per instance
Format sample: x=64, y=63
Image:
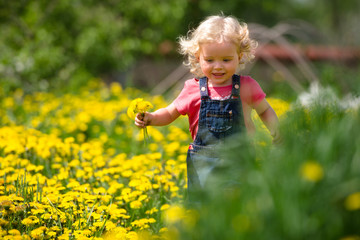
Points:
x=218, y=119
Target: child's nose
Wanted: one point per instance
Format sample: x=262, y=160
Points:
x=218, y=65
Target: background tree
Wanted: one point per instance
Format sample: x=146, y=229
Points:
x=48, y=44
x=51, y=44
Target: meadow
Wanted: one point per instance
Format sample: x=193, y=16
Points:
x=74, y=166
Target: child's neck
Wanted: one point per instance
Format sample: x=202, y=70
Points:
x=216, y=86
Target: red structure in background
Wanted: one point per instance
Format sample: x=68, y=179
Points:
x=313, y=53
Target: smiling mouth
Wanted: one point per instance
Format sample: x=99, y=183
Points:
x=218, y=74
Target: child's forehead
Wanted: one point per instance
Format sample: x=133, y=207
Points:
x=217, y=46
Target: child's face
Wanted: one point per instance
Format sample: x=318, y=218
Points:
x=219, y=61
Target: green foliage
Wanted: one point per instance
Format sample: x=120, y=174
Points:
x=340, y=78
x=62, y=43
x=302, y=189
x=269, y=12
x=50, y=44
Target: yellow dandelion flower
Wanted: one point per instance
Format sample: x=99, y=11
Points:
x=126, y=173
x=280, y=106
x=73, y=184
x=46, y=216
x=143, y=197
x=143, y=223
x=14, y=232
x=174, y=214
x=37, y=211
x=135, y=204
x=312, y=171
x=51, y=234
x=151, y=211
x=352, y=202
x=138, y=105
x=156, y=134
x=38, y=233
x=132, y=235
x=27, y=221
x=118, y=213
x=110, y=225
x=115, y=88
x=117, y=233
x=172, y=148
x=55, y=228
x=3, y=222
x=87, y=232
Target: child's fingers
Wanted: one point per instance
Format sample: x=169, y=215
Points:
x=139, y=123
x=140, y=120
x=140, y=116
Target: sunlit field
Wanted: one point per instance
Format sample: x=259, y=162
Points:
x=76, y=167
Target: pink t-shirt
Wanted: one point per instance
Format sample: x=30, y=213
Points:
x=188, y=101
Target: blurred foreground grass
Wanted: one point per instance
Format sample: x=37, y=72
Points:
x=306, y=188
x=75, y=167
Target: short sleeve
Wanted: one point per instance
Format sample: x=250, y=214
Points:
x=251, y=92
x=184, y=101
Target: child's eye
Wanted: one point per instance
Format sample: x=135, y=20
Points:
x=227, y=60
x=209, y=60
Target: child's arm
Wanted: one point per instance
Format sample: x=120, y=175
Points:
x=269, y=118
x=160, y=117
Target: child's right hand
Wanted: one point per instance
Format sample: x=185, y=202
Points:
x=142, y=119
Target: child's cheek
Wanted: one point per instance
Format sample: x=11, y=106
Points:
x=205, y=64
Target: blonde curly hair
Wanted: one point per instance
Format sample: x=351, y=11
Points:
x=217, y=29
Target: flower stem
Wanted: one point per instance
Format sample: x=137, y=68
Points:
x=145, y=131
x=145, y=135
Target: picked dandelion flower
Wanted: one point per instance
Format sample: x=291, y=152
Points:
x=136, y=106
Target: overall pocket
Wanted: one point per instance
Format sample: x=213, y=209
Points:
x=219, y=121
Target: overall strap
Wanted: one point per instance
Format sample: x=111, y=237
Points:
x=235, y=92
x=203, y=88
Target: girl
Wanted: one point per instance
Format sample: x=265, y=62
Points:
x=219, y=102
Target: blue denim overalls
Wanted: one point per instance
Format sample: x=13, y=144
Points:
x=218, y=119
